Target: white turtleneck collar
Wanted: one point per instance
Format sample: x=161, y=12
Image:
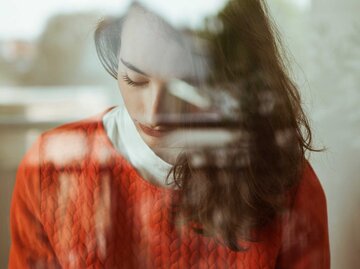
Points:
x=126, y=139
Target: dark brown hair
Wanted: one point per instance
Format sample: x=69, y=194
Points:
x=234, y=189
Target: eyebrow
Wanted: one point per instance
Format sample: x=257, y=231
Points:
x=133, y=68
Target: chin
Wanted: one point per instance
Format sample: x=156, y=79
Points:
x=151, y=141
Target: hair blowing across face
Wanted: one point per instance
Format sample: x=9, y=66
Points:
x=238, y=188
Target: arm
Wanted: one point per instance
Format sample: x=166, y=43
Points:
x=30, y=247
x=305, y=240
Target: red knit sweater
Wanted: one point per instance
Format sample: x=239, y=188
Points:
x=78, y=203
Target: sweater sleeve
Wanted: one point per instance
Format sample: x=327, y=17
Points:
x=305, y=240
x=30, y=247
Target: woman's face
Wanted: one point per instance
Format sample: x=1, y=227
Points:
x=152, y=55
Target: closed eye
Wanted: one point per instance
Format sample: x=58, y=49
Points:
x=130, y=82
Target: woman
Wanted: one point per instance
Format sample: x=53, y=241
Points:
x=203, y=167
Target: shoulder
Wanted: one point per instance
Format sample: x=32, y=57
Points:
x=307, y=206
x=88, y=125
x=309, y=193
x=70, y=143
x=66, y=150
x=305, y=238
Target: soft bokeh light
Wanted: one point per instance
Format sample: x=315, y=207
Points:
x=27, y=19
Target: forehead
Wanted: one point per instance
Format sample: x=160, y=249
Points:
x=151, y=44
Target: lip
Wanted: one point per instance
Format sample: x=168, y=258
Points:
x=155, y=132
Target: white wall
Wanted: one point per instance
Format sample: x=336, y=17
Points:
x=325, y=42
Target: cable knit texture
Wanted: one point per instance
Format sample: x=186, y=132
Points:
x=78, y=203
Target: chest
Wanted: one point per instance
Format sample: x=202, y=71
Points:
x=107, y=218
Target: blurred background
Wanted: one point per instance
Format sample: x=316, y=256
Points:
x=50, y=74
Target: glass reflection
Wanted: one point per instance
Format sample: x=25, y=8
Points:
x=204, y=165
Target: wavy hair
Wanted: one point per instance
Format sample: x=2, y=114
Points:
x=227, y=192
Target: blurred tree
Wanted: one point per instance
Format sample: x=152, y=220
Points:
x=60, y=51
x=64, y=55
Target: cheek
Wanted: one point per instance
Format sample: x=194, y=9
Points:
x=133, y=100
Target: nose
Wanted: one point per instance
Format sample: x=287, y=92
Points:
x=162, y=105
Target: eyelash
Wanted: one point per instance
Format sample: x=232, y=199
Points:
x=130, y=82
